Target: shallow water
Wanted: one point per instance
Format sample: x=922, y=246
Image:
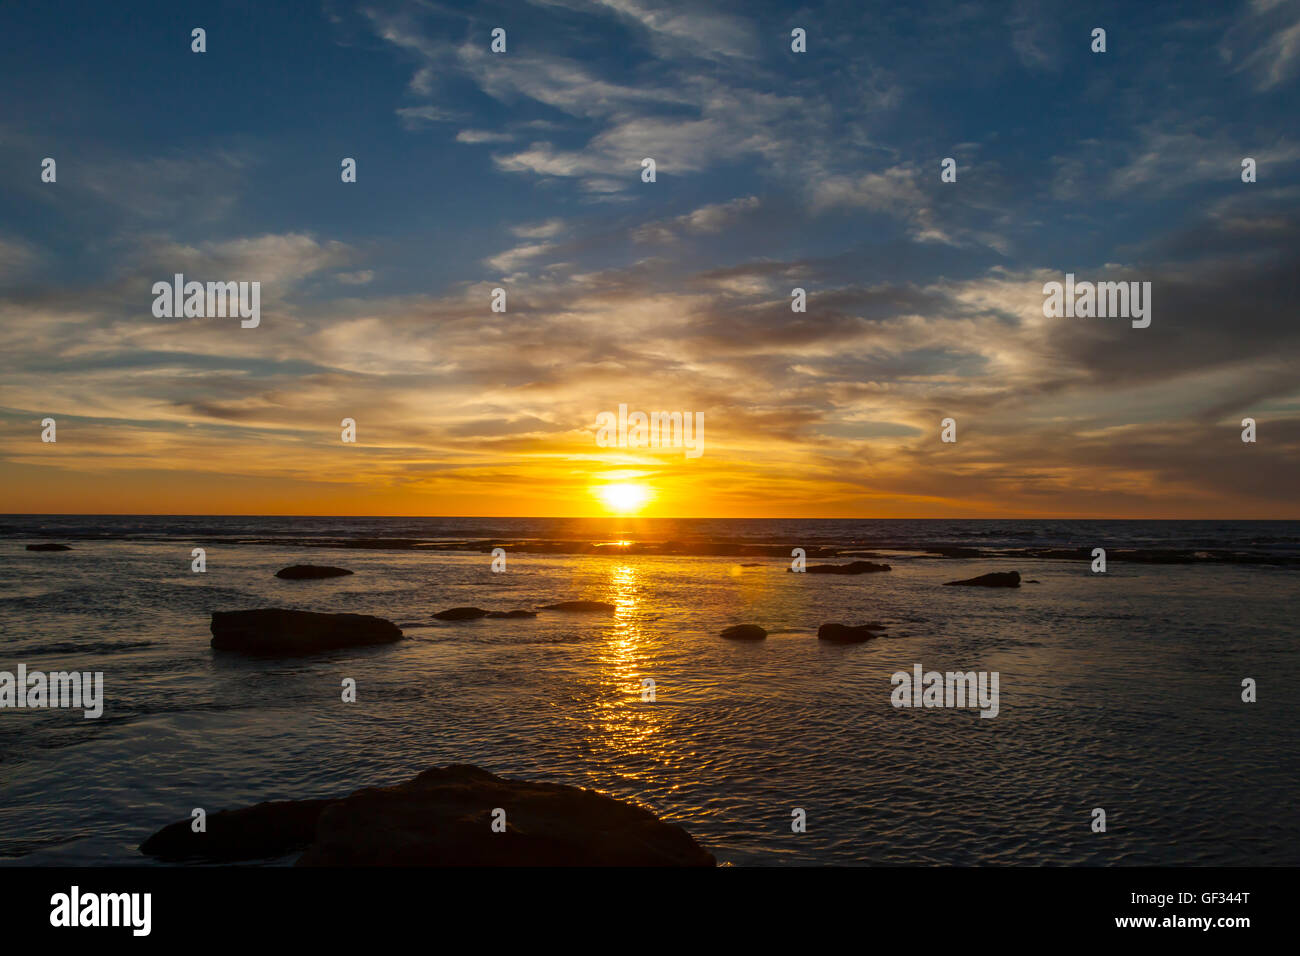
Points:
x=1119, y=691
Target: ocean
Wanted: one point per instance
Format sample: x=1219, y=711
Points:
x=1119, y=690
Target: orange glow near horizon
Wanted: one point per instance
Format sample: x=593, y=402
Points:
x=108, y=469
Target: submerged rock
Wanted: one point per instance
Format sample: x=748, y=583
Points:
x=443, y=817
x=306, y=572
x=461, y=614
x=744, y=632
x=586, y=606
x=277, y=631
x=48, y=547
x=849, y=633
x=995, y=579
x=519, y=613
x=855, y=567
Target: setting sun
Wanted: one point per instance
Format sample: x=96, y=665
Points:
x=624, y=498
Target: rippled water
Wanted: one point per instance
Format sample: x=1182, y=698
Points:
x=1119, y=691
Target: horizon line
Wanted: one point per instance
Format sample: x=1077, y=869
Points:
x=625, y=518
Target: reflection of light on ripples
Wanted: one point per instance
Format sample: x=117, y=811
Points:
x=627, y=726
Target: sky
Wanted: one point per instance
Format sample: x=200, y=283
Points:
x=774, y=170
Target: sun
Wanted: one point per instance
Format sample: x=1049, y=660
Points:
x=624, y=498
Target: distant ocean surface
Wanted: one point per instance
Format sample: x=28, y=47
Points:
x=1119, y=690
x=1280, y=536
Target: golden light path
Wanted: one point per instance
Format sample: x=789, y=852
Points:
x=625, y=724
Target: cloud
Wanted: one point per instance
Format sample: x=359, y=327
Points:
x=361, y=277
x=706, y=220
x=1264, y=43
x=698, y=32
x=851, y=392
x=278, y=261
x=17, y=258
x=415, y=117
x=540, y=230
x=1030, y=38
x=164, y=189
x=511, y=259
x=1166, y=161
x=475, y=136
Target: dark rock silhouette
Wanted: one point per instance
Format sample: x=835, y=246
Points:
x=48, y=547
x=263, y=832
x=309, y=572
x=280, y=632
x=443, y=817
x=995, y=579
x=584, y=606
x=744, y=632
x=849, y=633
x=855, y=567
x=474, y=613
x=954, y=552
x=461, y=614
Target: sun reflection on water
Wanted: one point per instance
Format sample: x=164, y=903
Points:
x=627, y=723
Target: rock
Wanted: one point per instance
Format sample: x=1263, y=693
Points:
x=441, y=818
x=281, y=632
x=48, y=547
x=461, y=614
x=855, y=567
x=849, y=633
x=744, y=632
x=474, y=613
x=307, y=572
x=751, y=564
x=263, y=832
x=585, y=606
x=995, y=579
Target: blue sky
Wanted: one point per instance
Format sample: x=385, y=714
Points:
x=774, y=169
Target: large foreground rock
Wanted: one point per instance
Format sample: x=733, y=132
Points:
x=310, y=572
x=849, y=633
x=443, y=817
x=277, y=632
x=995, y=579
x=263, y=832
x=853, y=567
